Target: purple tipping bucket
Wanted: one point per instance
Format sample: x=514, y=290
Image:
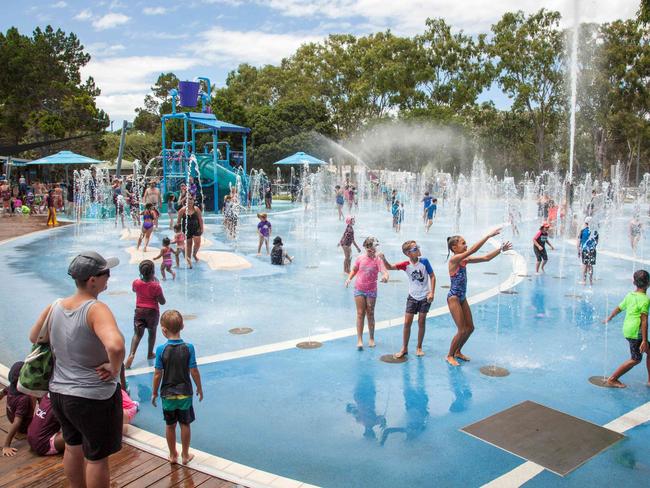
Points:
x=189, y=92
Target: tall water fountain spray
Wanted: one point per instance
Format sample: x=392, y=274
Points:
x=574, y=85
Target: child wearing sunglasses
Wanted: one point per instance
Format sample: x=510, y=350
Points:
x=422, y=284
x=366, y=268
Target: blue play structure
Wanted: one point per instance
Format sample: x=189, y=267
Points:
x=217, y=164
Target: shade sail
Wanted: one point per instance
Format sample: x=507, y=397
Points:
x=63, y=158
x=300, y=158
x=210, y=120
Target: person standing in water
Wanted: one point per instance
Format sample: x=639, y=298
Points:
x=539, y=247
x=457, y=296
x=366, y=268
x=346, y=242
x=190, y=218
x=635, y=231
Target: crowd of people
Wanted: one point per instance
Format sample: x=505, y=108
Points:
x=84, y=413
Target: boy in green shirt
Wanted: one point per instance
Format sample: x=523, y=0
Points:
x=635, y=327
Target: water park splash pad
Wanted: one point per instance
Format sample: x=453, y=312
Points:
x=375, y=423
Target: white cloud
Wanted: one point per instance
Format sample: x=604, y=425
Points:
x=155, y=10
x=103, y=49
x=109, y=21
x=255, y=47
x=408, y=16
x=125, y=81
x=84, y=15
x=60, y=5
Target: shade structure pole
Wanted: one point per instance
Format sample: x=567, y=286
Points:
x=120, y=152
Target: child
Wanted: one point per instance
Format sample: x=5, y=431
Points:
x=427, y=203
x=175, y=363
x=395, y=212
x=539, y=247
x=430, y=213
x=264, y=231
x=278, y=254
x=44, y=432
x=20, y=408
x=51, y=209
x=422, y=284
x=148, y=297
x=588, y=255
x=635, y=326
x=456, y=298
x=179, y=240
x=119, y=209
x=148, y=219
x=171, y=208
x=340, y=200
x=166, y=253
x=346, y=242
x=367, y=267
x=400, y=217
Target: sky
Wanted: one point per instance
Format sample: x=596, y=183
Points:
x=132, y=42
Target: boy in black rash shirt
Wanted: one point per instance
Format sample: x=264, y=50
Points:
x=175, y=363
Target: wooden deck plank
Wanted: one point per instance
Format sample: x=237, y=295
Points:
x=175, y=478
x=137, y=472
x=130, y=467
x=165, y=471
x=192, y=481
x=216, y=483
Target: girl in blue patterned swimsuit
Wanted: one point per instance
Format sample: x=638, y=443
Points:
x=456, y=298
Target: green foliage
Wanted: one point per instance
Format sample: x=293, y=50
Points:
x=42, y=95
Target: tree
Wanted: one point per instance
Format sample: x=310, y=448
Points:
x=528, y=53
x=42, y=95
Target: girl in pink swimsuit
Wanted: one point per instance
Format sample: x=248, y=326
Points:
x=366, y=269
x=166, y=253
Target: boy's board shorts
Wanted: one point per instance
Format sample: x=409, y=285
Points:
x=417, y=306
x=635, y=349
x=589, y=257
x=178, y=409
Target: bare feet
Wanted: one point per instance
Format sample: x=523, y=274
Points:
x=129, y=361
x=359, y=346
x=371, y=343
x=419, y=352
x=461, y=356
x=189, y=263
x=615, y=383
x=196, y=258
x=451, y=360
x=173, y=458
x=401, y=354
x=187, y=459
x=151, y=356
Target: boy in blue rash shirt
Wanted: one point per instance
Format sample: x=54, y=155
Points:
x=175, y=363
x=422, y=284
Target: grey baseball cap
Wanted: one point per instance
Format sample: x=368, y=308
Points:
x=90, y=263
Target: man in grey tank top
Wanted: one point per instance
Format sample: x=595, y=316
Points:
x=84, y=390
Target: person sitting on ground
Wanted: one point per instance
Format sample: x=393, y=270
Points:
x=20, y=408
x=635, y=326
x=278, y=254
x=44, y=432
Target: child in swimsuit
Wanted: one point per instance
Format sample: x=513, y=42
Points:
x=456, y=298
x=179, y=240
x=340, y=200
x=366, y=268
x=147, y=226
x=166, y=254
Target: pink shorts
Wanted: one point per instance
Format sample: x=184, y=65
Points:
x=52, y=450
x=130, y=412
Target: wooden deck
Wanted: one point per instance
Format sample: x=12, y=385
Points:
x=130, y=467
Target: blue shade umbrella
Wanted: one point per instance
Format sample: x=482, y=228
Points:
x=64, y=157
x=300, y=158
